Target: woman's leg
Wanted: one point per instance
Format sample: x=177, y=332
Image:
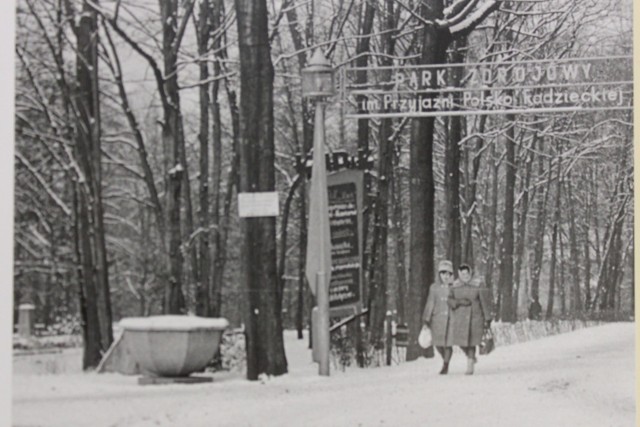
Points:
x=445, y=352
x=448, y=352
x=471, y=358
x=470, y=352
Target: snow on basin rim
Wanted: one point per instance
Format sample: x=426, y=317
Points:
x=173, y=323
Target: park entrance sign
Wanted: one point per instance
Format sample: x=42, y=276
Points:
x=507, y=87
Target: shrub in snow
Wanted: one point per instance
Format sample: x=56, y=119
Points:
x=344, y=354
x=232, y=355
x=527, y=330
x=65, y=325
x=343, y=351
x=39, y=343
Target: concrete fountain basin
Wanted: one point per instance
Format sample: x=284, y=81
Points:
x=173, y=345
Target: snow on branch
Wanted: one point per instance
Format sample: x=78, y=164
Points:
x=34, y=172
x=464, y=15
x=458, y=11
x=474, y=17
x=455, y=7
x=175, y=170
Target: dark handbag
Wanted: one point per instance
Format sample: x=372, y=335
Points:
x=488, y=343
x=454, y=303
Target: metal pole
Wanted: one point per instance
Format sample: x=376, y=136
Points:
x=315, y=355
x=389, y=336
x=321, y=331
x=322, y=293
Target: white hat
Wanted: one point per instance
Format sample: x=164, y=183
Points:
x=445, y=266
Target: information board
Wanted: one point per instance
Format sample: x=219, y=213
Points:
x=345, y=222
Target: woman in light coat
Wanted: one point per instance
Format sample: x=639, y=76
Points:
x=471, y=306
x=436, y=314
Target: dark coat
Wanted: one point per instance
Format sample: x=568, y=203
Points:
x=468, y=320
x=436, y=312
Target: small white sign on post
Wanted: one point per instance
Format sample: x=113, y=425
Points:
x=258, y=204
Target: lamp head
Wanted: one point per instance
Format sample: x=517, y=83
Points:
x=317, y=78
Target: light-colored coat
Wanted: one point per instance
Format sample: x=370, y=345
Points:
x=468, y=320
x=437, y=313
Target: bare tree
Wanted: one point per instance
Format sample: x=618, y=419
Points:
x=264, y=344
x=204, y=254
x=459, y=22
x=173, y=30
x=378, y=285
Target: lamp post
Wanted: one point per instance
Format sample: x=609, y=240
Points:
x=317, y=84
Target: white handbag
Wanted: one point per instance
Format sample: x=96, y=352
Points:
x=424, y=339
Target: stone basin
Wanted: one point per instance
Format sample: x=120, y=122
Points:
x=173, y=345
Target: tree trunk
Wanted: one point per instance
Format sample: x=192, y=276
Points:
x=471, y=185
x=421, y=188
x=379, y=283
x=562, y=284
x=398, y=230
x=215, y=281
x=632, y=267
x=264, y=343
x=452, y=156
x=92, y=232
x=304, y=148
x=362, y=60
x=204, y=255
x=282, y=256
x=587, y=252
x=576, y=297
x=222, y=220
x=86, y=285
x=541, y=216
x=611, y=265
x=505, y=284
x=554, y=240
x=193, y=274
x=596, y=209
x=552, y=272
x=493, y=224
x=174, y=302
x=612, y=269
x=522, y=225
x=220, y=258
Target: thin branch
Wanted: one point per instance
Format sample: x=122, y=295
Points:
x=34, y=172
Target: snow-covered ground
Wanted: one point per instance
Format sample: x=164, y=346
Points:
x=582, y=378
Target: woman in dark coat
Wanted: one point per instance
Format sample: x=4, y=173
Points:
x=436, y=314
x=471, y=306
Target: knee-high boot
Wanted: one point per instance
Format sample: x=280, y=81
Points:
x=470, y=362
x=446, y=356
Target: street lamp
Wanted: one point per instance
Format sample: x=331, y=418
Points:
x=317, y=78
x=317, y=84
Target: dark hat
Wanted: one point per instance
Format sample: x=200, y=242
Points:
x=464, y=266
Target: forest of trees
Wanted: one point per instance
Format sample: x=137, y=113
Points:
x=138, y=122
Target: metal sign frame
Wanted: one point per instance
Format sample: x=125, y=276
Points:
x=570, y=81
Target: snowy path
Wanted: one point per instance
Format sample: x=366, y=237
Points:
x=584, y=378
